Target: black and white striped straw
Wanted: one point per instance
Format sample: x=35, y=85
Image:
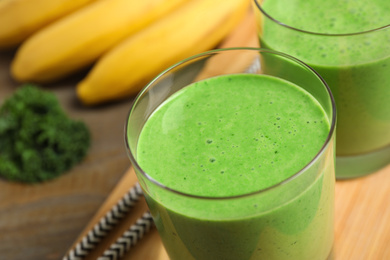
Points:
x=129, y=238
x=105, y=225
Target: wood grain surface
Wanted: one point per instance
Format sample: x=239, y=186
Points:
x=40, y=222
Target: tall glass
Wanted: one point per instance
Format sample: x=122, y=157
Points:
x=348, y=44
x=292, y=219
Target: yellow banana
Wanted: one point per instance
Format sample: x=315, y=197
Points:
x=196, y=26
x=21, y=18
x=78, y=39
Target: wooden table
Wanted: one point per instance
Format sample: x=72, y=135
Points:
x=43, y=221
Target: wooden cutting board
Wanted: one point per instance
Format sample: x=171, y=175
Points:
x=362, y=219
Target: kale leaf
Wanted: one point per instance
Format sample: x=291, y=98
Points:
x=38, y=141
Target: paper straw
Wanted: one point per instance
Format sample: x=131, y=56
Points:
x=129, y=238
x=105, y=225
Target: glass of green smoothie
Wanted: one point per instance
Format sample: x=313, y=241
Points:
x=236, y=157
x=348, y=44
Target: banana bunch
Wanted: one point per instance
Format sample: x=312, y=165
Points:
x=124, y=42
x=21, y=18
x=77, y=40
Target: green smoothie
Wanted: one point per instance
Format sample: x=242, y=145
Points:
x=356, y=65
x=226, y=137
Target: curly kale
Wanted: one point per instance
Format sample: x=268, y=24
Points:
x=38, y=141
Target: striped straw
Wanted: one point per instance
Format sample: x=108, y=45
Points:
x=105, y=225
x=129, y=238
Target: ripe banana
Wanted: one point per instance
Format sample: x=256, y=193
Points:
x=21, y=18
x=197, y=26
x=78, y=39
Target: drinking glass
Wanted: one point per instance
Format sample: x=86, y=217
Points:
x=354, y=61
x=292, y=219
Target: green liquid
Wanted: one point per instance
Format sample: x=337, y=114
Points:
x=356, y=67
x=229, y=136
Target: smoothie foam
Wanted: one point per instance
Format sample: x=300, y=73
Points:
x=229, y=136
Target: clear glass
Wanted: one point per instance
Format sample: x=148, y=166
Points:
x=292, y=219
x=354, y=63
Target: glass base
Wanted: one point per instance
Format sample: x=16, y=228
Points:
x=356, y=166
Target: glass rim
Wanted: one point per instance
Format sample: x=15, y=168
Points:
x=285, y=181
x=258, y=5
